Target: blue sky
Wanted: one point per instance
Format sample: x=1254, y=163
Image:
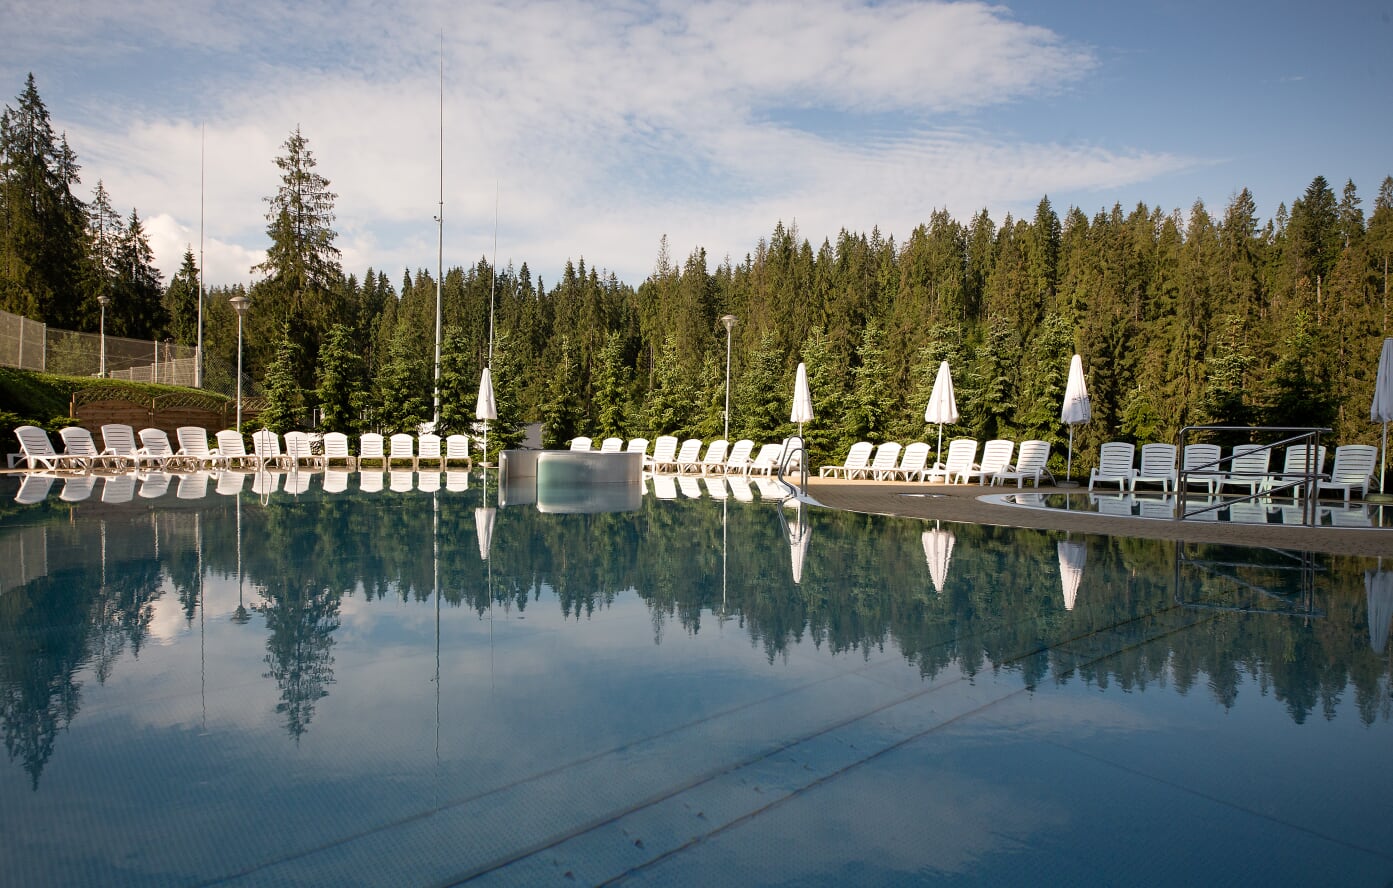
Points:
x=595, y=128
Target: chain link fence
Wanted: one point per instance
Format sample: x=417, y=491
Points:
x=31, y=345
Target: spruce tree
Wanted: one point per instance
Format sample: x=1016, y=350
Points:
x=285, y=400
x=340, y=392
x=181, y=302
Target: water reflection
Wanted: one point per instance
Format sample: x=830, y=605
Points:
x=82, y=578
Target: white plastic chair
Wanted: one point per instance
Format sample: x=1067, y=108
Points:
x=715, y=458
x=1202, y=459
x=739, y=457
x=428, y=450
x=1247, y=467
x=370, y=448
x=155, y=448
x=457, y=448
x=689, y=456
x=118, y=439
x=996, y=457
x=581, y=443
x=612, y=445
x=299, y=451
x=1030, y=463
x=664, y=458
x=402, y=447
x=1157, y=467
x=336, y=449
x=885, y=461
x=1354, y=466
x=766, y=461
x=1114, y=465
x=266, y=444
x=193, y=448
x=232, y=449
x=914, y=461
x=857, y=459
x=78, y=444
x=962, y=453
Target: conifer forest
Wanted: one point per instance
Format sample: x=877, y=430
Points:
x=1206, y=315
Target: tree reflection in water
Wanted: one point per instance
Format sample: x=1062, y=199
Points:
x=865, y=586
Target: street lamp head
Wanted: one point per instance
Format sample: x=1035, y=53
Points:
x=103, y=300
x=240, y=303
x=729, y=321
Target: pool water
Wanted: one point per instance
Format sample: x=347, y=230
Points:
x=257, y=687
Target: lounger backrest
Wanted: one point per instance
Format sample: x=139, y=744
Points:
x=1115, y=458
x=665, y=448
x=193, y=441
x=119, y=438
x=230, y=444
x=1294, y=463
x=915, y=457
x=768, y=455
x=428, y=446
x=961, y=454
x=266, y=444
x=887, y=455
x=156, y=442
x=370, y=446
x=1354, y=462
x=716, y=452
x=1202, y=457
x=859, y=456
x=1033, y=456
x=78, y=441
x=581, y=443
x=335, y=445
x=457, y=447
x=997, y=455
x=637, y=445
x=1250, y=459
x=1157, y=460
x=740, y=453
x=297, y=446
x=403, y=446
x=611, y=445
x=33, y=441
x=690, y=451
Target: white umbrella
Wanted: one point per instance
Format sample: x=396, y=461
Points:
x=938, y=551
x=1071, y=561
x=943, y=407
x=1378, y=585
x=486, y=408
x=1077, y=409
x=1381, y=410
x=483, y=526
x=799, y=533
x=802, y=400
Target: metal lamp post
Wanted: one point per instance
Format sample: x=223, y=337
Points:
x=240, y=303
x=103, y=300
x=729, y=321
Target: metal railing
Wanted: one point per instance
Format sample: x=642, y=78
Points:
x=1306, y=482
x=795, y=448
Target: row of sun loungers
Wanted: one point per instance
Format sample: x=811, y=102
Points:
x=721, y=457
x=1246, y=467
x=123, y=448
x=892, y=462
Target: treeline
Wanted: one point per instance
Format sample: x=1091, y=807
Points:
x=1181, y=318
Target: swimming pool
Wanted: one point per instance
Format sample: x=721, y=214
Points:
x=262, y=687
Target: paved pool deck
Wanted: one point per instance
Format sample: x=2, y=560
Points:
x=963, y=503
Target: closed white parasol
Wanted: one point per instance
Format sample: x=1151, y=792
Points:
x=1071, y=560
x=938, y=552
x=943, y=406
x=1077, y=410
x=1381, y=410
x=1378, y=585
x=486, y=409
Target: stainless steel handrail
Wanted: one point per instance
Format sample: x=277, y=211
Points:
x=1309, y=479
x=802, y=453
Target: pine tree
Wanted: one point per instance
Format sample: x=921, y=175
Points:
x=181, y=302
x=401, y=399
x=668, y=410
x=340, y=392
x=285, y=400
x=303, y=277
x=137, y=292
x=561, y=413
x=42, y=224
x=759, y=406
x=871, y=404
x=459, y=383
x=610, y=403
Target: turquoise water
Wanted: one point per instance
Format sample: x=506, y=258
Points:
x=261, y=687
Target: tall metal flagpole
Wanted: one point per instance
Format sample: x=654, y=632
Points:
x=440, y=239
x=198, y=364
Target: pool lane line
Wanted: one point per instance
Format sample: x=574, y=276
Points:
x=845, y=769
x=671, y=792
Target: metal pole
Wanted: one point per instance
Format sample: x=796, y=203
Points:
x=102, y=300
x=239, y=373
x=198, y=363
x=440, y=240
x=729, y=321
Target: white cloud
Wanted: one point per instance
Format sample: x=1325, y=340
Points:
x=601, y=125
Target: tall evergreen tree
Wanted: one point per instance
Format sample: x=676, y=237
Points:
x=285, y=400
x=340, y=392
x=181, y=302
x=42, y=223
x=137, y=291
